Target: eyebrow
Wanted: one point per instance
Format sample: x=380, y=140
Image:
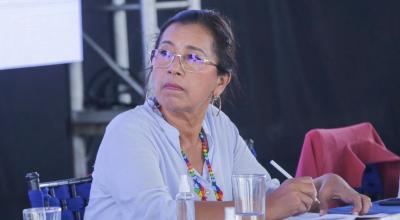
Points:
x=189, y=46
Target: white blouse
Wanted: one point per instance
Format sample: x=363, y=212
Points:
x=139, y=163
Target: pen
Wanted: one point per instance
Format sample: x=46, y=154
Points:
x=280, y=169
x=286, y=174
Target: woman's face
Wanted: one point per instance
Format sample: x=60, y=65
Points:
x=177, y=89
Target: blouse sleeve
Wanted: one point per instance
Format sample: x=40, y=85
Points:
x=127, y=169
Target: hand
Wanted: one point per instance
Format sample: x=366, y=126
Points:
x=334, y=190
x=294, y=196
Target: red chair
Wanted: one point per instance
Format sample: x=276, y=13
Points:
x=347, y=151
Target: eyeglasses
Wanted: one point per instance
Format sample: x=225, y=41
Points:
x=191, y=62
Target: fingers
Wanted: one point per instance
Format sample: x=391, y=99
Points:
x=324, y=204
x=304, y=192
x=334, y=188
x=357, y=204
x=309, y=190
x=302, y=203
x=361, y=204
x=304, y=185
x=289, y=199
x=366, y=204
x=307, y=201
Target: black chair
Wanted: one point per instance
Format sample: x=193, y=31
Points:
x=72, y=195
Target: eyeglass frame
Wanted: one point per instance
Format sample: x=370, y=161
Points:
x=205, y=60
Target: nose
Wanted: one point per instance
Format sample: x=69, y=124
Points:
x=176, y=65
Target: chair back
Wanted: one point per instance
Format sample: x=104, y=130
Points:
x=72, y=195
x=356, y=153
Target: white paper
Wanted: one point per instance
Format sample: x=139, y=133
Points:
x=316, y=216
x=39, y=32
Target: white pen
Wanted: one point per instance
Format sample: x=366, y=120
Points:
x=286, y=174
x=280, y=169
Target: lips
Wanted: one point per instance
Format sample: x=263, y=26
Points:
x=172, y=86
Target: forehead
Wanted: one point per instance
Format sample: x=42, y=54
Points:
x=186, y=36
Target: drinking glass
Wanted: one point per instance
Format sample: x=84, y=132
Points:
x=46, y=213
x=249, y=196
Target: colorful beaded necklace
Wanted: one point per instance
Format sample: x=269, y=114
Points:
x=198, y=188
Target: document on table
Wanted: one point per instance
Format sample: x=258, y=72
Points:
x=316, y=216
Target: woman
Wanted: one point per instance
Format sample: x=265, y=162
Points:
x=177, y=131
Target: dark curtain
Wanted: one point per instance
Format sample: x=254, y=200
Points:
x=314, y=64
x=303, y=64
x=34, y=117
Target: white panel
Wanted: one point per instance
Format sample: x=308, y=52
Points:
x=39, y=32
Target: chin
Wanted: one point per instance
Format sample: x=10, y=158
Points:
x=172, y=104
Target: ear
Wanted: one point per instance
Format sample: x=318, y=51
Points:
x=222, y=83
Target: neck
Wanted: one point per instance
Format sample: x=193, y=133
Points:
x=188, y=124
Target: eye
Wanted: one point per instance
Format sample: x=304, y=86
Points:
x=164, y=53
x=194, y=58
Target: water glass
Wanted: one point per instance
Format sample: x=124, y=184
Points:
x=249, y=196
x=46, y=213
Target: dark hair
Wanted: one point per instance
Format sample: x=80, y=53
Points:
x=220, y=28
x=224, y=44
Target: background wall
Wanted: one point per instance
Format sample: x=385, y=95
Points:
x=310, y=64
x=303, y=64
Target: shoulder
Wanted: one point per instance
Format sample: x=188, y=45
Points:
x=218, y=119
x=134, y=128
x=221, y=130
x=129, y=132
x=139, y=118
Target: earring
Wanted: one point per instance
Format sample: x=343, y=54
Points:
x=146, y=95
x=151, y=99
x=217, y=99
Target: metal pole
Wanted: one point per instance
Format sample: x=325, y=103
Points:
x=77, y=98
x=124, y=74
x=76, y=86
x=121, y=47
x=149, y=28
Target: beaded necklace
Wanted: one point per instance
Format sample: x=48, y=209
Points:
x=198, y=188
